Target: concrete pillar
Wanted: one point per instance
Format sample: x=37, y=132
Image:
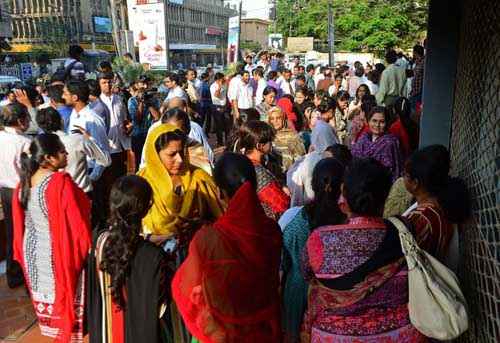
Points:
x=440, y=71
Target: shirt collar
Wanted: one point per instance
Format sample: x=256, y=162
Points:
x=12, y=130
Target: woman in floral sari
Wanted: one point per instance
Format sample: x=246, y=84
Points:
x=358, y=280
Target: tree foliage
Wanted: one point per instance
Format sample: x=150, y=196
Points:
x=250, y=45
x=360, y=25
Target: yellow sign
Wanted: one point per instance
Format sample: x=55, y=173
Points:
x=23, y=48
x=106, y=47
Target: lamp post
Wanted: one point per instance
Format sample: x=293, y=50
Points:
x=331, y=35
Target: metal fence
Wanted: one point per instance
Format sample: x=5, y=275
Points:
x=475, y=147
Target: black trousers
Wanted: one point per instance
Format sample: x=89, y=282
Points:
x=137, y=145
x=219, y=116
x=206, y=114
x=102, y=189
x=15, y=277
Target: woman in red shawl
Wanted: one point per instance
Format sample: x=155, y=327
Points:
x=286, y=104
x=52, y=238
x=404, y=127
x=227, y=288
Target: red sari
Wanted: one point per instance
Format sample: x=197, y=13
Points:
x=227, y=288
x=69, y=222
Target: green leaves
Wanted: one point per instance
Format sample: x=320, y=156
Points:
x=360, y=25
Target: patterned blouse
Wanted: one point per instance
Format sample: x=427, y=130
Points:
x=375, y=310
x=274, y=201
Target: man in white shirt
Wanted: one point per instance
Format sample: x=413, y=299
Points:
x=76, y=95
x=219, y=102
x=243, y=102
x=118, y=135
x=193, y=88
x=258, y=76
x=284, y=82
x=249, y=66
x=174, y=90
x=264, y=62
x=234, y=82
x=16, y=121
x=392, y=83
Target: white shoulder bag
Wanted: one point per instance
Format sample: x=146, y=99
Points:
x=436, y=304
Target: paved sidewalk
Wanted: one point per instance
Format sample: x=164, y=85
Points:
x=16, y=311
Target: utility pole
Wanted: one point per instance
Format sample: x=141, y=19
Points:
x=239, y=33
x=167, y=32
x=331, y=35
x=116, y=30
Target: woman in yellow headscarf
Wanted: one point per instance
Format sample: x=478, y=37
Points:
x=183, y=197
x=182, y=194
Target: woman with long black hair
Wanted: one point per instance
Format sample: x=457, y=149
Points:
x=52, y=238
x=128, y=276
x=441, y=200
x=254, y=140
x=404, y=127
x=297, y=224
x=227, y=289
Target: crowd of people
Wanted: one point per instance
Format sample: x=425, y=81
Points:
x=123, y=224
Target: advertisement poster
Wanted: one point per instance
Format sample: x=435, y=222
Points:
x=147, y=21
x=232, y=40
x=276, y=41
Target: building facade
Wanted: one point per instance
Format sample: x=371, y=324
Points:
x=260, y=9
x=5, y=24
x=255, y=30
x=40, y=22
x=197, y=32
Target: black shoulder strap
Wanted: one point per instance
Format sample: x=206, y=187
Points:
x=388, y=251
x=67, y=70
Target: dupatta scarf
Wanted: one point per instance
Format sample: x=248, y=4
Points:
x=286, y=106
x=385, y=149
x=227, y=288
x=69, y=221
x=199, y=194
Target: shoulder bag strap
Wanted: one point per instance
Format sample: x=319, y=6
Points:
x=387, y=252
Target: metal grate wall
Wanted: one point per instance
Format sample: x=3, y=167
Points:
x=475, y=145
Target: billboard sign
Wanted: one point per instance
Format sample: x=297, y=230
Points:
x=300, y=44
x=102, y=25
x=233, y=39
x=148, y=24
x=214, y=31
x=276, y=41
